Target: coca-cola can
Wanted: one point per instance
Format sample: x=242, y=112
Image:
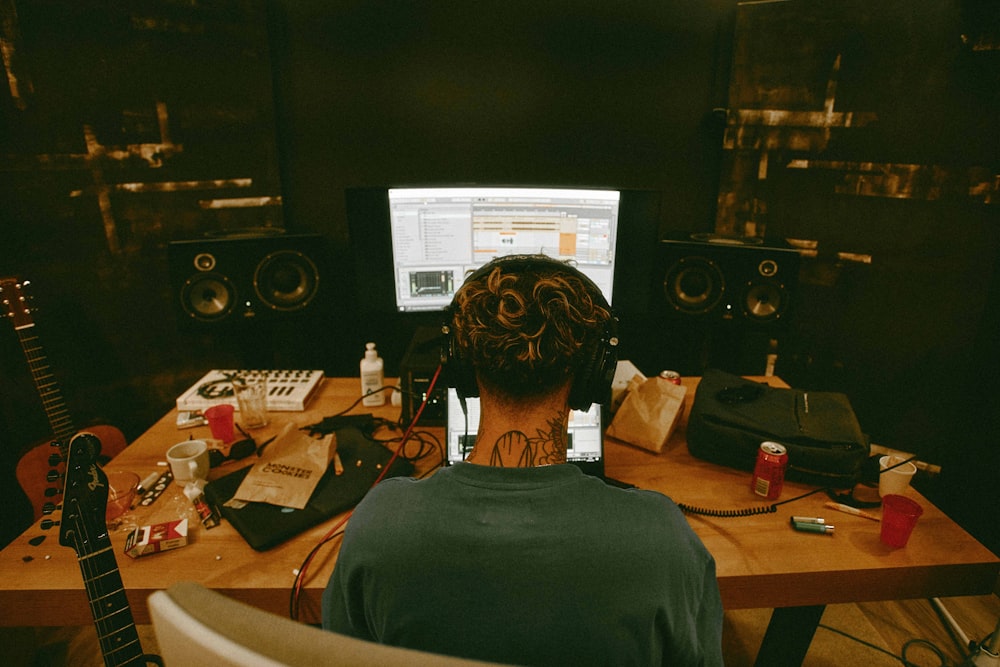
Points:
x=769, y=471
x=672, y=377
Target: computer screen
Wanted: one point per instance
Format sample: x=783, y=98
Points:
x=585, y=431
x=439, y=235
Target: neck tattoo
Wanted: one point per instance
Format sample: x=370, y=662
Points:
x=516, y=448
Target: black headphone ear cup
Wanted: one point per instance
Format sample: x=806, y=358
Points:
x=593, y=380
x=455, y=371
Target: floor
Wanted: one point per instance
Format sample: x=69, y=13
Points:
x=889, y=630
x=874, y=633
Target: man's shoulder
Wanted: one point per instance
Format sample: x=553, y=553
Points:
x=641, y=502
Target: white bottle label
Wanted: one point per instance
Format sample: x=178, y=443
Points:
x=372, y=382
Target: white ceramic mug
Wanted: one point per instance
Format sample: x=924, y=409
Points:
x=188, y=461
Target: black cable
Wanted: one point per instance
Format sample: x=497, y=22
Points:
x=427, y=444
x=894, y=466
x=861, y=641
x=743, y=512
x=906, y=647
x=847, y=498
x=728, y=514
x=926, y=644
x=465, y=437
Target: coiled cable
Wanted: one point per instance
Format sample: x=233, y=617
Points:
x=743, y=512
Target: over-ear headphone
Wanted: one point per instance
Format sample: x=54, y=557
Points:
x=592, y=377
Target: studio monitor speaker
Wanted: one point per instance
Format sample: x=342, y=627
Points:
x=245, y=278
x=708, y=278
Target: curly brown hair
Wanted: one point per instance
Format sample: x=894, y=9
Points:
x=526, y=331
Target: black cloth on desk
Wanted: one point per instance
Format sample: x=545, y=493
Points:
x=264, y=526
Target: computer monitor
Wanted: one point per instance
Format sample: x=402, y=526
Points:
x=439, y=235
x=585, y=433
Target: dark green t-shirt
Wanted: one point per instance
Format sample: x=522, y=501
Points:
x=526, y=566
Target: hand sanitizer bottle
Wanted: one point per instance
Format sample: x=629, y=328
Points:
x=372, y=377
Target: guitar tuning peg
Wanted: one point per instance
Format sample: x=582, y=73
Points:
x=49, y=508
x=48, y=523
x=53, y=476
x=52, y=491
x=55, y=459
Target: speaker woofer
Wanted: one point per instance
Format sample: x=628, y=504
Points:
x=208, y=296
x=694, y=285
x=286, y=280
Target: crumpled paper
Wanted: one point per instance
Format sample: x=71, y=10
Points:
x=649, y=414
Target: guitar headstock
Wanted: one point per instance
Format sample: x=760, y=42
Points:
x=84, y=528
x=85, y=496
x=14, y=300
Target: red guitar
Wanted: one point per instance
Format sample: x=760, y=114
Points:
x=34, y=469
x=84, y=529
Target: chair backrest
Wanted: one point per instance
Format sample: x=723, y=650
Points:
x=198, y=626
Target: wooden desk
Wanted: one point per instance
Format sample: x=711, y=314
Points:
x=762, y=562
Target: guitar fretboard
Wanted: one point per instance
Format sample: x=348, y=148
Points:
x=48, y=388
x=116, y=631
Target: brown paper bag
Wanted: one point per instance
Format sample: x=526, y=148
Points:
x=648, y=415
x=288, y=470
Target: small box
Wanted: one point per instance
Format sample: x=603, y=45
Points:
x=147, y=540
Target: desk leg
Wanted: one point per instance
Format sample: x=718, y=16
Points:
x=788, y=636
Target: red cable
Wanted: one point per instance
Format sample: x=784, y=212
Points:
x=301, y=576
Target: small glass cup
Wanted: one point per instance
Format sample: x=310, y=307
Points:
x=251, y=395
x=122, y=486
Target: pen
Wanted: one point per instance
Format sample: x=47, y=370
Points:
x=847, y=509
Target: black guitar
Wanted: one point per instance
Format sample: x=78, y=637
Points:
x=84, y=529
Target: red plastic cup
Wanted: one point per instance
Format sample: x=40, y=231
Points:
x=899, y=516
x=220, y=420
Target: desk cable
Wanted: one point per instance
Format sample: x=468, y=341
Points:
x=743, y=512
x=847, y=499
x=338, y=528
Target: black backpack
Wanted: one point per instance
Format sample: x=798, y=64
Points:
x=731, y=416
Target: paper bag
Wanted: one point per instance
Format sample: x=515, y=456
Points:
x=648, y=415
x=289, y=469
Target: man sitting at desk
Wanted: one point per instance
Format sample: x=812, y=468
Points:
x=516, y=556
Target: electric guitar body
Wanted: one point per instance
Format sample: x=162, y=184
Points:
x=36, y=468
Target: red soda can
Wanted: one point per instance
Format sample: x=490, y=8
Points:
x=769, y=472
x=671, y=376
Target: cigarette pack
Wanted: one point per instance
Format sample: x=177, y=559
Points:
x=147, y=540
